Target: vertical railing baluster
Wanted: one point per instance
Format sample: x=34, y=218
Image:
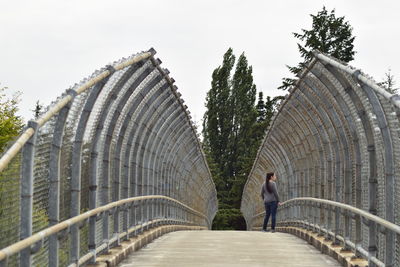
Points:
x=372, y=246
x=28, y=152
x=54, y=179
x=76, y=168
x=358, y=241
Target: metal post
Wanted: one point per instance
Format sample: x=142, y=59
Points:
x=372, y=248
x=76, y=168
x=54, y=177
x=383, y=124
x=28, y=152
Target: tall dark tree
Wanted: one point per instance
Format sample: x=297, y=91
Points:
x=217, y=121
x=244, y=117
x=261, y=112
x=329, y=34
x=232, y=131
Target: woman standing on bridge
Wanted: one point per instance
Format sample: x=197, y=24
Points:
x=269, y=194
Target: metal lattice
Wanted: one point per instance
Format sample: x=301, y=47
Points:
x=335, y=137
x=123, y=132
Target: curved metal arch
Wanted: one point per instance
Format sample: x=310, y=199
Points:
x=320, y=131
x=173, y=171
x=132, y=106
x=320, y=124
x=336, y=94
x=357, y=161
x=317, y=148
x=294, y=154
x=100, y=122
x=327, y=123
x=134, y=159
x=283, y=157
x=346, y=158
x=124, y=139
x=76, y=165
x=341, y=116
x=136, y=134
x=168, y=133
x=130, y=160
x=345, y=144
x=166, y=129
x=151, y=131
x=309, y=159
x=140, y=87
x=98, y=125
x=167, y=150
x=145, y=87
x=129, y=156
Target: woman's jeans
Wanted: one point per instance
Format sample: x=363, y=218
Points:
x=270, y=209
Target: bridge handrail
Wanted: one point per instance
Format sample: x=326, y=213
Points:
x=369, y=218
x=388, y=225
x=19, y=246
x=28, y=133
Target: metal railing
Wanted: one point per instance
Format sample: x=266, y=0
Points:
x=336, y=137
x=123, y=132
x=341, y=223
x=137, y=214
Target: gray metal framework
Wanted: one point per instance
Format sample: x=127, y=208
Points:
x=112, y=157
x=335, y=137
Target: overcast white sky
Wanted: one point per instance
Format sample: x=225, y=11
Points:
x=46, y=46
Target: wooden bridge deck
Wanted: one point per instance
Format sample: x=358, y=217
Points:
x=228, y=248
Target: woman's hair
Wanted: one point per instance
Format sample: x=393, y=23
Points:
x=269, y=176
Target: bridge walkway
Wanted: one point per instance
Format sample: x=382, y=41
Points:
x=228, y=248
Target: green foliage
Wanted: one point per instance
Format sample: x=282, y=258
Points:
x=329, y=34
x=229, y=219
x=218, y=117
x=261, y=113
x=233, y=128
x=10, y=123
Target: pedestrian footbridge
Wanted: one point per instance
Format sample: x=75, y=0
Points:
x=228, y=248
x=113, y=172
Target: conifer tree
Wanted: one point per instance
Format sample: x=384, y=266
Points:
x=244, y=117
x=329, y=34
x=232, y=130
x=217, y=121
x=260, y=107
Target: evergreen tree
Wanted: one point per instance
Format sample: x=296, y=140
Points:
x=329, y=34
x=217, y=121
x=233, y=128
x=260, y=108
x=244, y=117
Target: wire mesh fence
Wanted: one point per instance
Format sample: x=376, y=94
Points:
x=92, y=148
x=348, y=152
